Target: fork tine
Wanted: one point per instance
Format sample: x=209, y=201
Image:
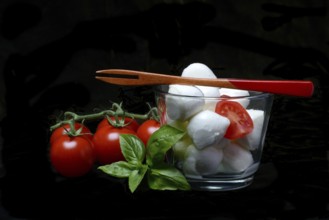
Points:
x=117, y=72
x=128, y=77
x=118, y=77
x=120, y=81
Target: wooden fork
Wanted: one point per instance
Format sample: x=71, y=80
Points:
x=302, y=88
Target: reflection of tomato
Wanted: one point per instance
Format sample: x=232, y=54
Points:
x=60, y=131
x=107, y=144
x=72, y=156
x=240, y=122
x=130, y=123
x=146, y=129
x=162, y=110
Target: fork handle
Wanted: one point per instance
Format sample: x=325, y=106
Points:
x=302, y=88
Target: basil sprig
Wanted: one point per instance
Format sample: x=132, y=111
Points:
x=149, y=161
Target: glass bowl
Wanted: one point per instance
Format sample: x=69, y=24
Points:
x=224, y=134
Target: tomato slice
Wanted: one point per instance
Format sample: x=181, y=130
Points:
x=241, y=123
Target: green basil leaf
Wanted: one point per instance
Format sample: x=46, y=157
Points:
x=162, y=176
x=160, y=142
x=132, y=148
x=121, y=169
x=136, y=177
x=167, y=178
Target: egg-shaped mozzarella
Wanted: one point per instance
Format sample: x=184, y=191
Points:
x=200, y=70
x=185, y=104
x=207, y=128
x=238, y=93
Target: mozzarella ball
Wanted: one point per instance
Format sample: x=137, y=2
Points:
x=222, y=143
x=227, y=92
x=182, y=108
x=202, y=162
x=207, y=128
x=199, y=70
x=189, y=164
x=253, y=140
x=236, y=158
x=208, y=160
x=180, y=147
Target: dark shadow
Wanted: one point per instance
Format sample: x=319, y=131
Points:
x=172, y=31
x=19, y=17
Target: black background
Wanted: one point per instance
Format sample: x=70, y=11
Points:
x=50, y=50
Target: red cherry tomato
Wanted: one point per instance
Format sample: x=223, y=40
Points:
x=107, y=145
x=60, y=131
x=131, y=123
x=72, y=156
x=241, y=123
x=146, y=129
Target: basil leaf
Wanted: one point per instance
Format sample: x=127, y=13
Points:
x=121, y=169
x=160, y=142
x=136, y=177
x=161, y=176
x=132, y=148
x=167, y=178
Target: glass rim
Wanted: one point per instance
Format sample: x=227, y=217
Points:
x=252, y=94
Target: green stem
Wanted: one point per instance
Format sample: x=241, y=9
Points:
x=71, y=117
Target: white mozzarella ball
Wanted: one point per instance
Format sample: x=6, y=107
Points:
x=222, y=143
x=236, y=93
x=223, y=169
x=253, y=140
x=233, y=92
x=236, y=158
x=182, y=108
x=207, y=128
x=208, y=160
x=189, y=164
x=202, y=162
x=210, y=103
x=180, y=148
x=199, y=70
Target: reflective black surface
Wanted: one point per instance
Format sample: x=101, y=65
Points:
x=49, y=57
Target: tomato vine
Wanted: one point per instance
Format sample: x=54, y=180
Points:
x=117, y=149
x=116, y=110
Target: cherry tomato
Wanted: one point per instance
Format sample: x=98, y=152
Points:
x=60, y=131
x=107, y=145
x=240, y=122
x=146, y=129
x=132, y=124
x=72, y=156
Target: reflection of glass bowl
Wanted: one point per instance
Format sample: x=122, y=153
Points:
x=216, y=153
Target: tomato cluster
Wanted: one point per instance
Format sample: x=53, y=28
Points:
x=75, y=149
